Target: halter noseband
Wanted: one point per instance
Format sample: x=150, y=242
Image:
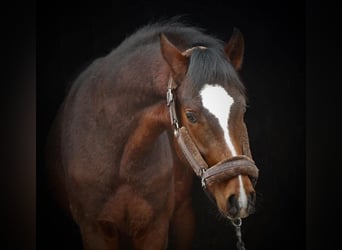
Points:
x=223, y=170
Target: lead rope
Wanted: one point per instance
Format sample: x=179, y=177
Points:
x=240, y=245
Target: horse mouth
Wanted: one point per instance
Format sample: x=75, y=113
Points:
x=232, y=214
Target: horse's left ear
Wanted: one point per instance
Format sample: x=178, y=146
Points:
x=177, y=62
x=235, y=49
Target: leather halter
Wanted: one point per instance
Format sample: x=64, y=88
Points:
x=221, y=171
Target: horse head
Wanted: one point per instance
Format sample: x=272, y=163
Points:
x=208, y=112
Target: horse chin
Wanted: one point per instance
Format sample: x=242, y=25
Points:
x=243, y=213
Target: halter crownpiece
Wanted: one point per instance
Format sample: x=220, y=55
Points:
x=221, y=171
x=187, y=52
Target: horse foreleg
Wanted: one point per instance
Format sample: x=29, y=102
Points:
x=155, y=236
x=183, y=226
x=94, y=238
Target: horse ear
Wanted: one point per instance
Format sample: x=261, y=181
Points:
x=177, y=62
x=235, y=49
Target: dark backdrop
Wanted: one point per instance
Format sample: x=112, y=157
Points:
x=71, y=35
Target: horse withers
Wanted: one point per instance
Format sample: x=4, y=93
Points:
x=135, y=127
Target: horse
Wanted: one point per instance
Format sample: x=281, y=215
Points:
x=138, y=124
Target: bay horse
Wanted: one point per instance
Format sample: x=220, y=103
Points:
x=135, y=127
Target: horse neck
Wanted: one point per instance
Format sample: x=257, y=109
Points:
x=142, y=79
x=151, y=123
x=137, y=106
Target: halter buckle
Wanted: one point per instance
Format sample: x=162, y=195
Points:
x=169, y=97
x=175, y=127
x=203, y=183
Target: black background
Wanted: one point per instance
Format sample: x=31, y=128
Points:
x=71, y=35
x=30, y=94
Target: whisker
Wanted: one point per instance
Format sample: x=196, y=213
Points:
x=258, y=205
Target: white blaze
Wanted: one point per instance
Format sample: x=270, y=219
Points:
x=218, y=102
x=243, y=202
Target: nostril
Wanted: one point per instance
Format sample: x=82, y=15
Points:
x=232, y=205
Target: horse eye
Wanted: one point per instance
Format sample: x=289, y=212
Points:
x=191, y=117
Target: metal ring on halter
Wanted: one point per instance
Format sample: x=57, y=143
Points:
x=169, y=97
x=237, y=222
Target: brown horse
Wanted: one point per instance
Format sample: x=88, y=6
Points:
x=135, y=127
